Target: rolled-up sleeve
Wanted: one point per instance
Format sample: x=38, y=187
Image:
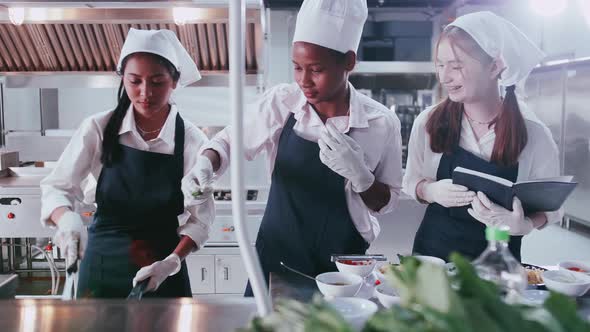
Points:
x=199, y=215
x=389, y=169
x=415, y=163
x=263, y=122
x=545, y=164
x=62, y=187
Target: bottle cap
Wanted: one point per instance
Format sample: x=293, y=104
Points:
x=497, y=233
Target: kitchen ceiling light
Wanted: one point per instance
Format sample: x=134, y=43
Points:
x=183, y=15
x=16, y=15
x=548, y=8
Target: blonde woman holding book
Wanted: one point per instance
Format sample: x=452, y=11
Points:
x=477, y=128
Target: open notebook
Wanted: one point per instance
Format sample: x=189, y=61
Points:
x=547, y=194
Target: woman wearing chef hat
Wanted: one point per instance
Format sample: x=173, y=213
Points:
x=139, y=153
x=329, y=177
x=476, y=128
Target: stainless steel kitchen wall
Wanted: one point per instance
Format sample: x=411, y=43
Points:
x=559, y=96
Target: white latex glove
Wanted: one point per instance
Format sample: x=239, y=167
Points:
x=197, y=184
x=71, y=236
x=492, y=214
x=447, y=194
x=343, y=155
x=158, y=272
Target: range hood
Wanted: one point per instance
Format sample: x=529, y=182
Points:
x=80, y=46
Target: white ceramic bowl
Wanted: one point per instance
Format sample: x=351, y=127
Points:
x=575, y=264
x=339, y=284
x=359, y=270
x=387, y=295
x=431, y=259
x=567, y=282
x=355, y=311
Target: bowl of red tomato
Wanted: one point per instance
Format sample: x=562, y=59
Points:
x=575, y=266
x=361, y=268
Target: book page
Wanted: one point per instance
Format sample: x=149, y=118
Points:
x=484, y=175
x=565, y=179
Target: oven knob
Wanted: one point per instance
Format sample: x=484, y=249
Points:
x=11, y=215
x=228, y=229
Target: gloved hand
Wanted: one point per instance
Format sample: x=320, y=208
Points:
x=343, y=155
x=447, y=194
x=71, y=236
x=158, y=272
x=197, y=184
x=492, y=214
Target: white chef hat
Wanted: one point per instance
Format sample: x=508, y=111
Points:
x=165, y=44
x=503, y=41
x=335, y=24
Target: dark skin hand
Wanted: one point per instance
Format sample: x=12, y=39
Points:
x=323, y=78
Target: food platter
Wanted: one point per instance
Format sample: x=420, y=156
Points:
x=534, y=274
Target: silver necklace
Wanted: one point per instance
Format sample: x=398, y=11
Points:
x=146, y=132
x=478, y=122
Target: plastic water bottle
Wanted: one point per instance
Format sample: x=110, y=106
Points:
x=496, y=264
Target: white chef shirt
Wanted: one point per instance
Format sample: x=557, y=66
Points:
x=82, y=157
x=539, y=159
x=376, y=130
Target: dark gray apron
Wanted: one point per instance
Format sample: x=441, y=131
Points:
x=306, y=218
x=444, y=230
x=138, y=199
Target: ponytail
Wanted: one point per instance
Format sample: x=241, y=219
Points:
x=511, y=133
x=444, y=128
x=110, y=143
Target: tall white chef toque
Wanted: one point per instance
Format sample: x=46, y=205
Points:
x=334, y=24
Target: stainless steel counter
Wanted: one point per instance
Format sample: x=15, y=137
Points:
x=121, y=315
x=8, y=285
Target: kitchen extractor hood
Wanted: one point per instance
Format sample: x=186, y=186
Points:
x=74, y=43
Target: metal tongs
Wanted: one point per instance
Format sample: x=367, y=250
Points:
x=137, y=291
x=353, y=257
x=71, y=285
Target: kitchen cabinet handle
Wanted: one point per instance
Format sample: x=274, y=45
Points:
x=203, y=274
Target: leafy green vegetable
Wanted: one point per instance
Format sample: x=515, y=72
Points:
x=294, y=316
x=431, y=301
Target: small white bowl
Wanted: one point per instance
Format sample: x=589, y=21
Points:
x=575, y=264
x=355, y=311
x=567, y=282
x=431, y=259
x=339, y=284
x=359, y=270
x=387, y=295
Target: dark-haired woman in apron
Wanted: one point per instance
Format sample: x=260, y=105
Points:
x=139, y=152
x=477, y=128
